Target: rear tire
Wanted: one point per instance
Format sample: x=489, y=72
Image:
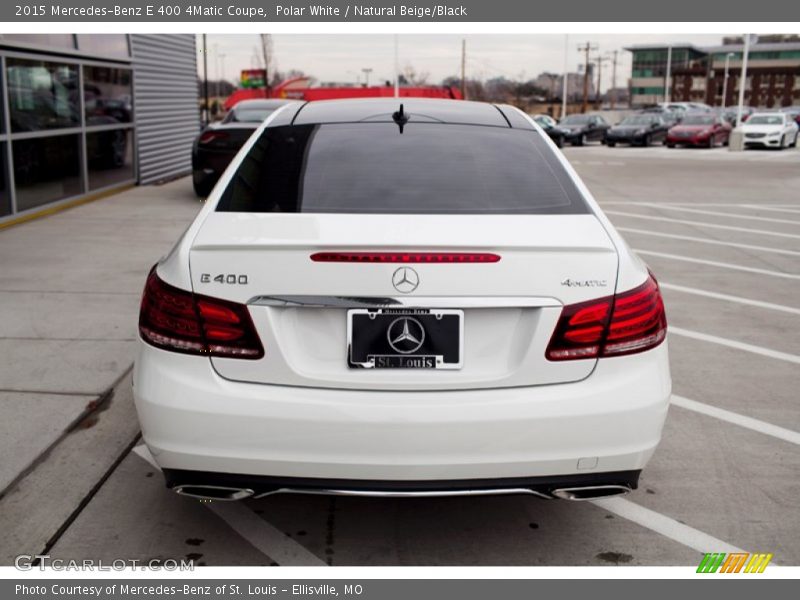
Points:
x=646, y=141
x=611, y=144
x=670, y=145
x=202, y=186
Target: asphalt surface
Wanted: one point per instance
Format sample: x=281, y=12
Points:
x=721, y=232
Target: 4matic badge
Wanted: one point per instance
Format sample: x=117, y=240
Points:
x=585, y=282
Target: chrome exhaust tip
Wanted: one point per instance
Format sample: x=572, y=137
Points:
x=591, y=492
x=213, y=492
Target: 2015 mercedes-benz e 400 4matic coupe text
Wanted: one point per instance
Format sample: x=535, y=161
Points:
x=401, y=297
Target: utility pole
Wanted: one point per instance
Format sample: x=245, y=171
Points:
x=598, y=97
x=586, y=49
x=464, y=69
x=614, y=78
x=206, y=115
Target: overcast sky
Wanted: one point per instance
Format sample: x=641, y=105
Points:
x=341, y=58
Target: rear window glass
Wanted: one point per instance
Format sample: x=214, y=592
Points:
x=429, y=168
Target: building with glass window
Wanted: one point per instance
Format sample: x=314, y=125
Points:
x=698, y=74
x=86, y=114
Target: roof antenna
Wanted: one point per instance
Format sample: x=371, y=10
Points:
x=400, y=117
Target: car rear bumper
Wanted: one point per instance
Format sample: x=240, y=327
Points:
x=194, y=420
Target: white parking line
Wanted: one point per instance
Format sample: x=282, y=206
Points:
x=269, y=540
x=786, y=435
x=728, y=298
x=715, y=263
x=790, y=208
x=717, y=213
x=772, y=208
x=760, y=350
x=703, y=224
x=690, y=238
x=666, y=526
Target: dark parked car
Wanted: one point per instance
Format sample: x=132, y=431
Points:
x=218, y=143
x=700, y=129
x=579, y=129
x=640, y=130
x=550, y=126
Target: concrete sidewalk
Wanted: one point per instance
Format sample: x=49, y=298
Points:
x=70, y=286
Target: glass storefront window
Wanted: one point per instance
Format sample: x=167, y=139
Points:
x=110, y=157
x=42, y=95
x=107, y=95
x=5, y=202
x=46, y=169
x=65, y=41
x=107, y=45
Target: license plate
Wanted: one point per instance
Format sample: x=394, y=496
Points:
x=405, y=338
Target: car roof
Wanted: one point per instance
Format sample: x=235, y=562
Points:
x=353, y=110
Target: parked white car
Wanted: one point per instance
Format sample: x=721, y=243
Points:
x=770, y=129
x=401, y=297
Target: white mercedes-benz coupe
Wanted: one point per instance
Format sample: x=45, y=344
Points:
x=401, y=297
x=770, y=130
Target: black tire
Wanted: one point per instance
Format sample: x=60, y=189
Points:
x=783, y=142
x=646, y=141
x=710, y=141
x=611, y=144
x=670, y=145
x=582, y=140
x=559, y=141
x=202, y=186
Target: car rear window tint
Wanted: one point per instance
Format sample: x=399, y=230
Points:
x=428, y=168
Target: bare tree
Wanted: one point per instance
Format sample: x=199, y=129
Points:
x=412, y=77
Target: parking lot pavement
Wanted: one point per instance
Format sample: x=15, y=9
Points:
x=69, y=295
x=721, y=231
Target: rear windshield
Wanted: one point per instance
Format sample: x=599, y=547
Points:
x=429, y=168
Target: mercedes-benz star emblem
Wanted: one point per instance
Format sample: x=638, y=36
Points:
x=405, y=335
x=405, y=280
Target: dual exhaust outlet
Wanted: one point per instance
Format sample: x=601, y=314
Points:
x=224, y=493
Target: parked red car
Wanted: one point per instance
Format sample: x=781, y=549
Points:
x=699, y=129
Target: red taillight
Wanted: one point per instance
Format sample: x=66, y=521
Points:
x=177, y=320
x=406, y=257
x=210, y=136
x=629, y=322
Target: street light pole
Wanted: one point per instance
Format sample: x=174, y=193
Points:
x=565, y=78
x=668, y=78
x=743, y=80
x=725, y=79
x=366, y=72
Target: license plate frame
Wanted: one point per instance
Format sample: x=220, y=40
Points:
x=393, y=333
